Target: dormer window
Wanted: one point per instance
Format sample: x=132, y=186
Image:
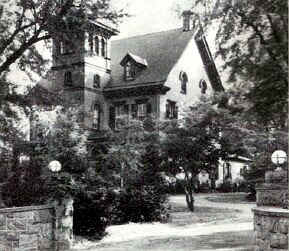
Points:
x=129, y=73
x=132, y=66
x=68, y=78
x=183, y=77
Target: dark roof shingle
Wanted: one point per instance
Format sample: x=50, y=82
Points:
x=161, y=51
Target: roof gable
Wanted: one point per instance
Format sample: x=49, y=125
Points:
x=161, y=50
x=138, y=60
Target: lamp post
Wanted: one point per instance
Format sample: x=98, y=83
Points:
x=63, y=215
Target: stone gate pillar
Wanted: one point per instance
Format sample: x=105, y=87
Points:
x=64, y=224
x=271, y=216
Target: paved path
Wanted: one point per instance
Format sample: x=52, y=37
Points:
x=183, y=232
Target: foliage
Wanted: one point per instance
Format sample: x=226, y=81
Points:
x=92, y=212
x=198, y=140
x=61, y=140
x=140, y=204
x=25, y=23
x=252, y=40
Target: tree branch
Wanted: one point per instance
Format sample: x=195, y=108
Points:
x=18, y=53
x=263, y=42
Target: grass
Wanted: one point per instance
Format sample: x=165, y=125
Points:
x=181, y=215
x=229, y=198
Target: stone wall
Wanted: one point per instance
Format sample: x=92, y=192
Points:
x=37, y=228
x=27, y=228
x=271, y=229
x=271, y=216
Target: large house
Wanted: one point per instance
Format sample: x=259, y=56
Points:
x=157, y=73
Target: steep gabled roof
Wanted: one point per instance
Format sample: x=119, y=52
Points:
x=161, y=51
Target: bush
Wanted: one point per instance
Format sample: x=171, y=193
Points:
x=225, y=187
x=140, y=205
x=92, y=211
x=176, y=187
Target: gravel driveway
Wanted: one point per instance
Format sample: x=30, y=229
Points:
x=214, y=226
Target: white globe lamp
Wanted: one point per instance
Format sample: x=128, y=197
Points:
x=54, y=166
x=279, y=157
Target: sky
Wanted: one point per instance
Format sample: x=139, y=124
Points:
x=148, y=16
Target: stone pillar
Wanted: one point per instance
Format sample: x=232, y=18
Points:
x=64, y=224
x=271, y=216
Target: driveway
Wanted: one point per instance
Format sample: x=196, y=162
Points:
x=213, y=226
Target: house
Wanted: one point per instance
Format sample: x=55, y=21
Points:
x=232, y=168
x=153, y=74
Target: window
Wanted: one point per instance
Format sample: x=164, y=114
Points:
x=90, y=42
x=183, y=77
x=96, y=81
x=129, y=71
x=65, y=47
x=96, y=117
x=121, y=116
x=203, y=86
x=68, y=78
x=96, y=45
x=141, y=109
x=171, y=110
x=227, y=170
x=103, y=48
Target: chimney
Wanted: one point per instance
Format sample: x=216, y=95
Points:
x=187, y=20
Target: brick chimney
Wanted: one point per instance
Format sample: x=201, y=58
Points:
x=187, y=20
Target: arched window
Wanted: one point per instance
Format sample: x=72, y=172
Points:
x=96, y=81
x=68, y=78
x=90, y=42
x=96, y=117
x=203, y=86
x=96, y=45
x=103, y=47
x=183, y=77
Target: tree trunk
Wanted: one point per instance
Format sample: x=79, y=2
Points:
x=189, y=194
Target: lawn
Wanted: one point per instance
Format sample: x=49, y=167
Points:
x=229, y=198
x=181, y=215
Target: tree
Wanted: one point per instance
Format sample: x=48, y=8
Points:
x=61, y=139
x=26, y=23
x=252, y=40
x=196, y=142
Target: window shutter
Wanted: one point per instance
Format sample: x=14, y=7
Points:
x=167, y=110
x=112, y=117
x=176, y=110
x=134, y=111
x=149, y=108
x=126, y=107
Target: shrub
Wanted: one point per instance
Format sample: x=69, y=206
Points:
x=92, y=211
x=225, y=187
x=144, y=204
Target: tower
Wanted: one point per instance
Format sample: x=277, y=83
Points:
x=81, y=67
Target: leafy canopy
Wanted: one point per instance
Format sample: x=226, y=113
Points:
x=252, y=40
